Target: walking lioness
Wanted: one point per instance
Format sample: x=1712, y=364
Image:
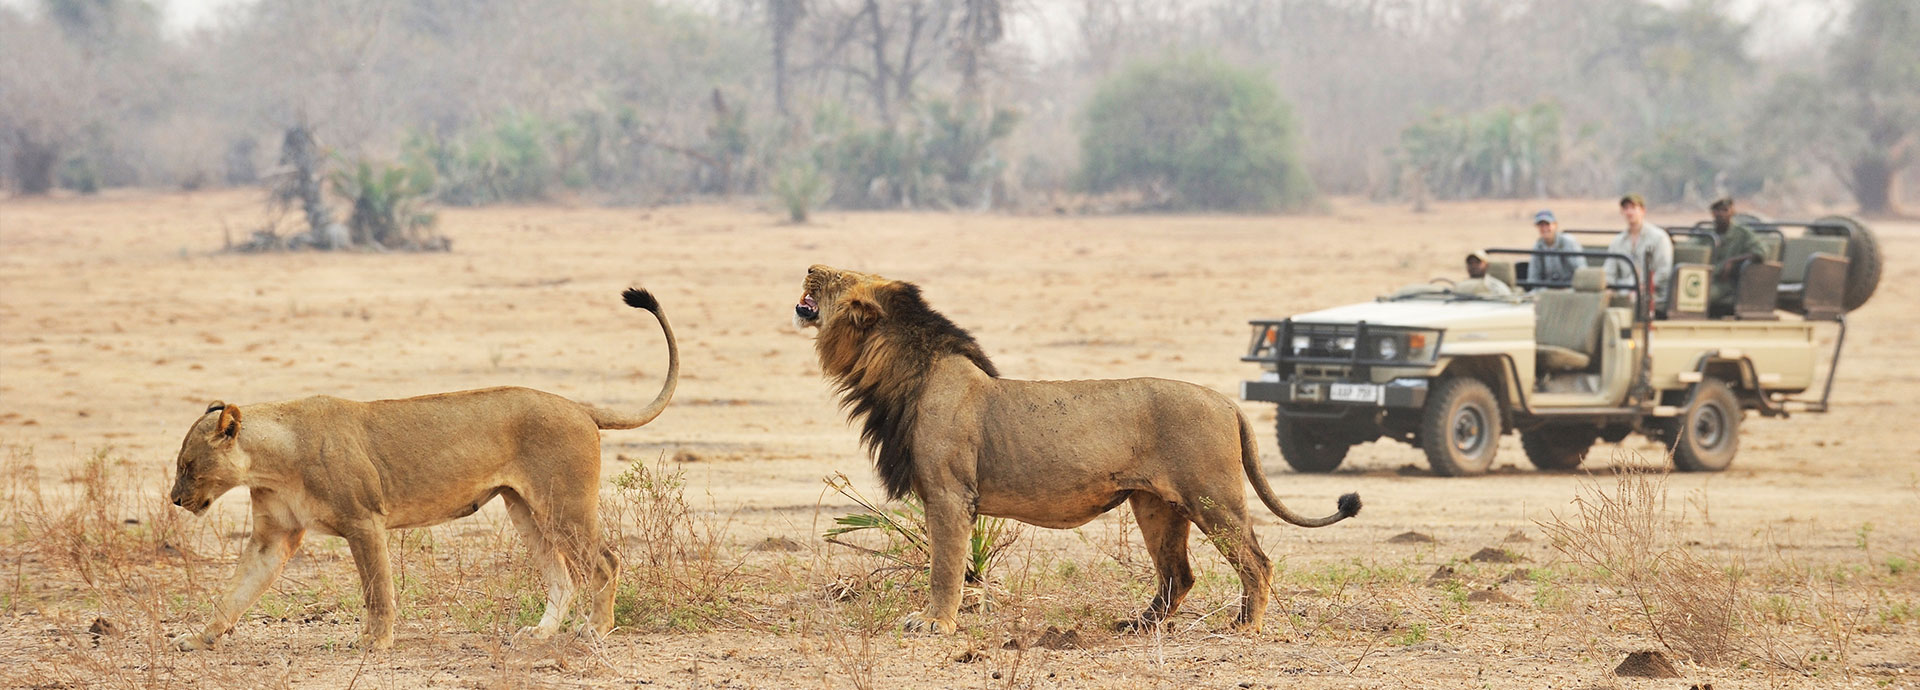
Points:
x=358, y=469
x=942, y=424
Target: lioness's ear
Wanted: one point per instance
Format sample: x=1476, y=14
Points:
x=229, y=424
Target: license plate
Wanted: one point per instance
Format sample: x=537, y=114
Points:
x=1354, y=392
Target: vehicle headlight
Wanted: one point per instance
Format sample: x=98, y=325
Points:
x=1388, y=347
x=1301, y=342
x=1344, y=342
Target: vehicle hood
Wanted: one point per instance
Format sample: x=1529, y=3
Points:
x=1427, y=314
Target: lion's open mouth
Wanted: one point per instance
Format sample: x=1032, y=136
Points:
x=807, y=309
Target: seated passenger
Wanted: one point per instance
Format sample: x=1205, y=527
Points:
x=1477, y=282
x=1555, y=269
x=1650, y=247
x=1734, y=245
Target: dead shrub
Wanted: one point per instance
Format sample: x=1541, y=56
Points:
x=1628, y=538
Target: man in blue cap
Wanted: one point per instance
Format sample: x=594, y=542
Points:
x=1548, y=268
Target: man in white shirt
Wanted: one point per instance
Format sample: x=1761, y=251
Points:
x=1650, y=247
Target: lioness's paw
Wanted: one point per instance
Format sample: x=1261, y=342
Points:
x=372, y=643
x=534, y=633
x=191, y=643
x=1135, y=625
x=917, y=622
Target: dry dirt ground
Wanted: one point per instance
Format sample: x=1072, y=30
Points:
x=120, y=320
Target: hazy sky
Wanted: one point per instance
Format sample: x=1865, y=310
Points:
x=1778, y=25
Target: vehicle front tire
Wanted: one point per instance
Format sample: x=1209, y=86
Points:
x=1306, y=451
x=1558, y=448
x=1706, y=436
x=1460, y=429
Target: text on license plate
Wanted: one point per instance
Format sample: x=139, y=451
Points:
x=1354, y=392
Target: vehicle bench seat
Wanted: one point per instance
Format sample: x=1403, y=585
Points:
x=1566, y=328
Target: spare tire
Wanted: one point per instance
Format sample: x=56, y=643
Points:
x=1863, y=257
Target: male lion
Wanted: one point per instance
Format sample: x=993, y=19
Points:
x=358, y=469
x=941, y=423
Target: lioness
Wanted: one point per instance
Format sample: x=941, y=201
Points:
x=941, y=423
x=358, y=469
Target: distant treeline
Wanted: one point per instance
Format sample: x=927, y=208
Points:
x=967, y=104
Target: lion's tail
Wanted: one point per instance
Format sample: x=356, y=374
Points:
x=614, y=419
x=1349, y=505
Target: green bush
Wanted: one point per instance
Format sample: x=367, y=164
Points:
x=1502, y=152
x=944, y=157
x=513, y=160
x=1193, y=132
x=1697, y=163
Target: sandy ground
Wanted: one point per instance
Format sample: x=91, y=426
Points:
x=120, y=320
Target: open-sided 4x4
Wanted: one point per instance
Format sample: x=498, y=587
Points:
x=1564, y=365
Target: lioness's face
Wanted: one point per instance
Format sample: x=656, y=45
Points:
x=824, y=293
x=210, y=460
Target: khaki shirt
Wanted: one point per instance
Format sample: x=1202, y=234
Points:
x=1738, y=241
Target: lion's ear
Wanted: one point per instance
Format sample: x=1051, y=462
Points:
x=862, y=312
x=229, y=425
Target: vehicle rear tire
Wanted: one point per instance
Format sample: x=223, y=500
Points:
x=1460, y=429
x=1706, y=436
x=1558, y=448
x=1863, y=260
x=1306, y=451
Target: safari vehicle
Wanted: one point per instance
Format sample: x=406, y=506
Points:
x=1449, y=369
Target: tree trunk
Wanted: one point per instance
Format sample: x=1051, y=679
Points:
x=1875, y=181
x=299, y=150
x=33, y=163
x=783, y=18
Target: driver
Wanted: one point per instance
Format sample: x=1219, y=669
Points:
x=1477, y=282
x=1735, y=245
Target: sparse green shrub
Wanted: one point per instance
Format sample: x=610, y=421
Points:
x=801, y=186
x=388, y=205
x=1193, y=133
x=905, y=530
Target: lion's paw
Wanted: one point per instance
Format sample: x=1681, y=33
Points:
x=1134, y=626
x=918, y=622
x=372, y=643
x=192, y=643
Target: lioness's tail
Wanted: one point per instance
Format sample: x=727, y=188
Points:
x=614, y=419
x=1349, y=504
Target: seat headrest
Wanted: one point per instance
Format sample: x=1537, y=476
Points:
x=1589, y=279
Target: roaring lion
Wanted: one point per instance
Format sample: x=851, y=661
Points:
x=357, y=469
x=942, y=424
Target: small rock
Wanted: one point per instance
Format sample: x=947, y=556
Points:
x=1410, y=538
x=969, y=656
x=1493, y=555
x=778, y=544
x=1055, y=638
x=686, y=456
x=1013, y=643
x=1646, y=665
x=1491, y=596
x=1412, y=471
x=1517, y=537
x=1441, y=575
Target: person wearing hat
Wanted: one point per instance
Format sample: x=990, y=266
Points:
x=1551, y=268
x=1734, y=245
x=1477, y=282
x=1650, y=247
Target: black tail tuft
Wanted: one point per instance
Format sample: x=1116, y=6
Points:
x=641, y=299
x=1350, y=505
